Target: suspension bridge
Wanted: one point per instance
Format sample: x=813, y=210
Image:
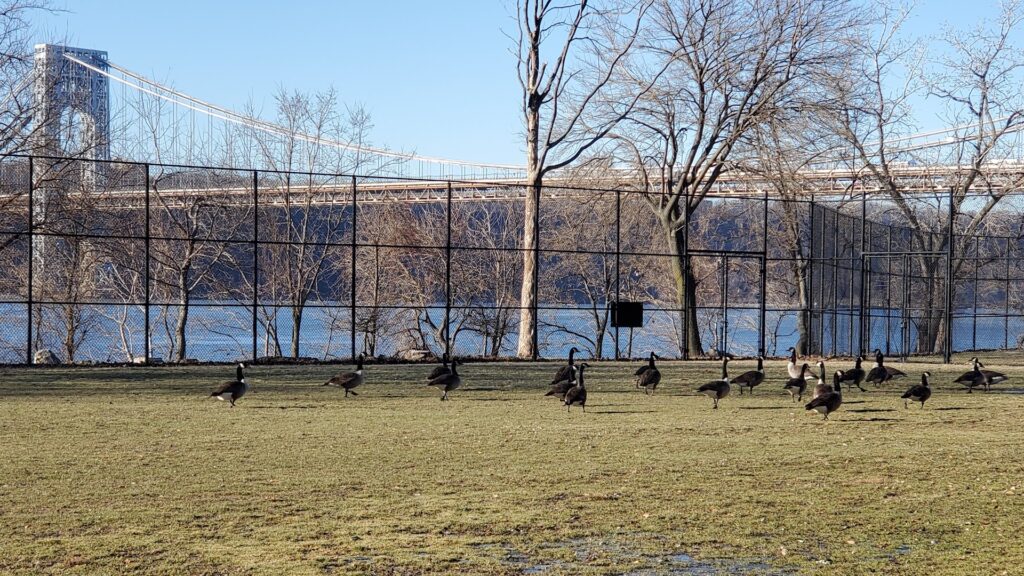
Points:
x=112, y=113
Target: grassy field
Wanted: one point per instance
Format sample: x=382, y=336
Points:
x=138, y=470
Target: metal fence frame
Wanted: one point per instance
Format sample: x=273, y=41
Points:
x=823, y=279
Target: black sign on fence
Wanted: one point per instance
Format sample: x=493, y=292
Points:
x=628, y=314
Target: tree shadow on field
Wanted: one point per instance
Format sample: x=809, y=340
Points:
x=875, y=420
x=871, y=410
x=621, y=411
x=767, y=407
x=947, y=408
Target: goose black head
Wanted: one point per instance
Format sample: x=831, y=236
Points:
x=238, y=372
x=838, y=377
x=572, y=353
x=454, y=362
x=924, y=378
x=579, y=370
x=804, y=368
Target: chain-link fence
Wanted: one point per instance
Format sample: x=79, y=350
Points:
x=128, y=262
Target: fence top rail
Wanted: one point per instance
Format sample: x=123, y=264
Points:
x=845, y=186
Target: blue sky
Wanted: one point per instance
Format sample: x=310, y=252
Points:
x=437, y=77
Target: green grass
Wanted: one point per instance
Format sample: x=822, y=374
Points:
x=118, y=470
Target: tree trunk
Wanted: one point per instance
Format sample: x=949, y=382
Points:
x=527, y=295
x=179, y=328
x=930, y=327
x=799, y=268
x=686, y=293
x=297, y=310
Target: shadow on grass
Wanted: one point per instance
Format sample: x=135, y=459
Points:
x=875, y=420
x=870, y=410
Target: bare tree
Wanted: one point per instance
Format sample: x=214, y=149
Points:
x=567, y=56
x=976, y=77
x=732, y=65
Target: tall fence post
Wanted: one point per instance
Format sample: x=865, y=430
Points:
x=835, y=283
x=974, y=316
x=146, y=331
x=809, y=274
x=1006, y=297
x=948, y=319
x=863, y=341
x=888, y=290
x=536, y=276
x=352, y=279
x=763, y=311
x=448, y=277
x=31, y=258
x=618, y=254
x=684, y=325
x=255, y=262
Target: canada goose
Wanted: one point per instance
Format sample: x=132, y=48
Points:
x=566, y=373
x=797, y=384
x=717, y=389
x=578, y=393
x=855, y=375
x=881, y=373
x=793, y=368
x=821, y=388
x=649, y=376
x=448, y=382
x=918, y=392
x=639, y=371
x=829, y=402
x=234, y=389
x=751, y=378
x=558, y=390
x=349, y=380
x=977, y=377
x=442, y=369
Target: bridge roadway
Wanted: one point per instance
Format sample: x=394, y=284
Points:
x=338, y=190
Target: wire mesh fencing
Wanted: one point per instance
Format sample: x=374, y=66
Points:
x=125, y=262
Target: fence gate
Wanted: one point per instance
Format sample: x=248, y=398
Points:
x=905, y=296
x=733, y=320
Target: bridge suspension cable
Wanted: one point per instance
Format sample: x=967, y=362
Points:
x=178, y=98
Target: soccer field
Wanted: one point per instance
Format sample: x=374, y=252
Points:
x=113, y=470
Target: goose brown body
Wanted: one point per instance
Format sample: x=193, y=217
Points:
x=233, y=389
x=751, y=378
x=440, y=370
x=349, y=380
x=978, y=378
x=856, y=374
x=566, y=373
x=821, y=388
x=796, y=385
x=830, y=402
x=648, y=377
x=881, y=373
x=717, y=389
x=447, y=382
x=918, y=392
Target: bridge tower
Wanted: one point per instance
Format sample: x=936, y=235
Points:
x=72, y=120
x=71, y=98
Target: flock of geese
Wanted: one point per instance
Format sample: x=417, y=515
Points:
x=569, y=386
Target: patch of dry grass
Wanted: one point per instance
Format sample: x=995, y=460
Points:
x=116, y=470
